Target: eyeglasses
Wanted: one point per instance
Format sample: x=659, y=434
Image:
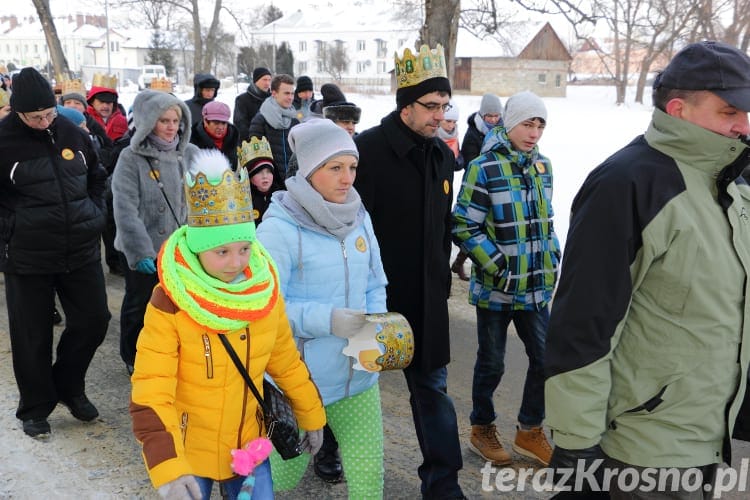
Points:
x=40, y=118
x=434, y=107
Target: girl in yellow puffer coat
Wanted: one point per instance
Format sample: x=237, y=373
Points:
x=190, y=406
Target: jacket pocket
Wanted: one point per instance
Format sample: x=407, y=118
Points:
x=676, y=272
x=648, y=406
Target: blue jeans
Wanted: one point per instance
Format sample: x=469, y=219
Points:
x=263, y=489
x=437, y=432
x=492, y=333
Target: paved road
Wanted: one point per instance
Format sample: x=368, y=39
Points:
x=104, y=457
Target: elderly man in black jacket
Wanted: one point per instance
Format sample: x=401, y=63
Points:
x=51, y=218
x=405, y=179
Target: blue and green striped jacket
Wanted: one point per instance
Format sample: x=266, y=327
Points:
x=503, y=220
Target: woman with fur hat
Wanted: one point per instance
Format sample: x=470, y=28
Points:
x=218, y=292
x=322, y=240
x=148, y=201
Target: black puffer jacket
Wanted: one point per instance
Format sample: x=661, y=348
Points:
x=51, y=205
x=201, y=81
x=246, y=106
x=200, y=138
x=278, y=138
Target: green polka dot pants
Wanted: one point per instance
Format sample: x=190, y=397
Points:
x=357, y=423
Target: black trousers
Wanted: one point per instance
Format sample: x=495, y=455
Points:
x=42, y=381
x=138, y=288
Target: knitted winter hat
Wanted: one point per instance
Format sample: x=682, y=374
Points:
x=259, y=73
x=316, y=141
x=523, y=106
x=74, y=95
x=71, y=114
x=407, y=95
x=304, y=83
x=490, y=104
x=331, y=94
x=220, y=207
x=452, y=114
x=31, y=92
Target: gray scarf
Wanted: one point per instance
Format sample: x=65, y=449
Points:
x=447, y=135
x=310, y=209
x=276, y=116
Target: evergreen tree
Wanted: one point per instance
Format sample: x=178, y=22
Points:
x=160, y=52
x=284, y=59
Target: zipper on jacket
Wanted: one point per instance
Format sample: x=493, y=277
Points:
x=346, y=273
x=209, y=357
x=183, y=426
x=651, y=404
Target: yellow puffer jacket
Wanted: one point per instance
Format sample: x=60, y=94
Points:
x=190, y=406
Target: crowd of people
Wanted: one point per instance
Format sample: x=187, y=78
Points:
x=274, y=230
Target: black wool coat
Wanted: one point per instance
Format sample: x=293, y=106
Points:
x=471, y=146
x=246, y=106
x=405, y=182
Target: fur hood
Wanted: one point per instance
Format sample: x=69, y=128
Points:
x=148, y=107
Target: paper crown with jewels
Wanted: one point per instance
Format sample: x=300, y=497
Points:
x=74, y=86
x=428, y=63
x=162, y=84
x=4, y=98
x=104, y=81
x=253, y=150
x=219, y=202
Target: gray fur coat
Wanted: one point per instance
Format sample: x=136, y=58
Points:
x=142, y=216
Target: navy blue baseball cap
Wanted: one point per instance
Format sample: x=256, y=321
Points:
x=713, y=66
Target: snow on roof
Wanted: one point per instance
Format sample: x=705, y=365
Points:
x=509, y=41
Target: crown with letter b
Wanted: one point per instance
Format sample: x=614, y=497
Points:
x=104, y=81
x=428, y=63
x=218, y=204
x=256, y=148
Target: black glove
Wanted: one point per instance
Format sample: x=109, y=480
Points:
x=578, y=473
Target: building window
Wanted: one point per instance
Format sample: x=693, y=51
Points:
x=303, y=46
x=321, y=66
x=541, y=78
x=360, y=45
x=114, y=46
x=320, y=48
x=302, y=67
x=558, y=81
x=25, y=49
x=401, y=42
x=381, y=67
x=362, y=66
x=382, y=48
x=36, y=49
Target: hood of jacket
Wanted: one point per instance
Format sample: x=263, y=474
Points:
x=204, y=80
x=147, y=108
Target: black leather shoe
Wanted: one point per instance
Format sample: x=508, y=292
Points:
x=327, y=465
x=38, y=428
x=81, y=408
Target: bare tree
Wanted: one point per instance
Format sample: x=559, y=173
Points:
x=59, y=63
x=335, y=59
x=441, y=26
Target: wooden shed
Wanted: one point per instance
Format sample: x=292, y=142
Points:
x=526, y=56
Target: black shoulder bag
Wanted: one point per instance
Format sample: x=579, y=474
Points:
x=278, y=417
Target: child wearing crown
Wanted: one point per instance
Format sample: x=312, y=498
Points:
x=256, y=157
x=190, y=405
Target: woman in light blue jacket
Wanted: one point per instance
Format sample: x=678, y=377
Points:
x=321, y=237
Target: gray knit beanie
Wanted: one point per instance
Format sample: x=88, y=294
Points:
x=490, y=104
x=316, y=141
x=523, y=106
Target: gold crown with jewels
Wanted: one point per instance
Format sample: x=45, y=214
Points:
x=162, y=84
x=394, y=333
x=74, y=86
x=227, y=202
x=104, y=81
x=428, y=63
x=256, y=148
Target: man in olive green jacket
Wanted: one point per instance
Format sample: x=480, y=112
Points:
x=649, y=338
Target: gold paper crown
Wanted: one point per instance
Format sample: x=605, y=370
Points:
x=227, y=202
x=4, y=98
x=105, y=81
x=3, y=69
x=73, y=87
x=256, y=148
x=412, y=70
x=396, y=336
x=162, y=84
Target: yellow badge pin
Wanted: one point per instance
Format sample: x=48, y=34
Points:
x=540, y=167
x=446, y=186
x=360, y=244
x=67, y=154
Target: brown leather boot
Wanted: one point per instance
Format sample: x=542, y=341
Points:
x=485, y=442
x=458, y=266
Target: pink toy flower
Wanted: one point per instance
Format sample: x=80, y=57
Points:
x=254, y=453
